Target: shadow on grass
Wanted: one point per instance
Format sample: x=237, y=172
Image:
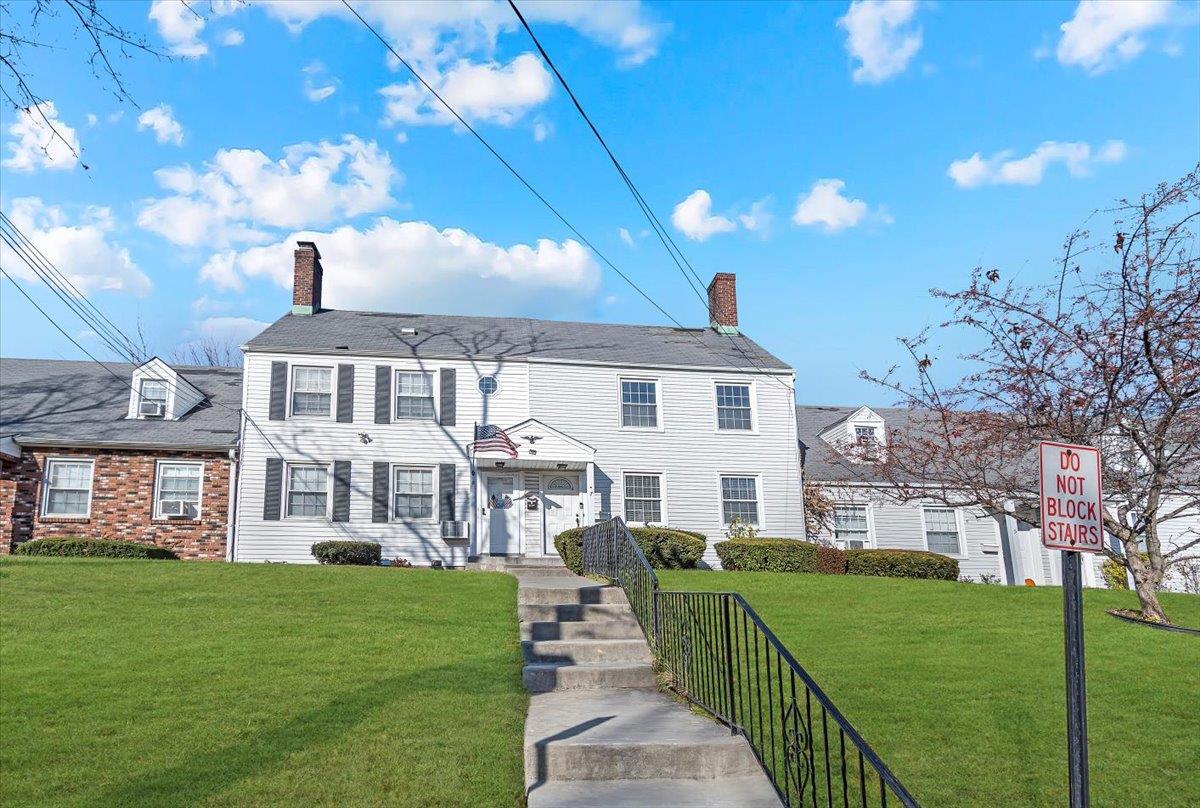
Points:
x=203, y=775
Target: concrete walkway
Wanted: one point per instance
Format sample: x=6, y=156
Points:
x=598, y=733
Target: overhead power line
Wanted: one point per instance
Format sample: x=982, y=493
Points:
x=664, y=235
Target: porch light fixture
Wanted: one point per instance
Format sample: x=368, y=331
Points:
x=560, y=466
x=499, y=464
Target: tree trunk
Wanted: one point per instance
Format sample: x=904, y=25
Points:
x=1145, y=583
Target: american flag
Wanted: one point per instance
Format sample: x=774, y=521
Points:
x=493, y=437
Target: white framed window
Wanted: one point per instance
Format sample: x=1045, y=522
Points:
x=643, y=499
x=312, y=391
x=941, y=530
x=177, y=489
x=414, y=395
x=739, y=499
x=152, y=398
x=413, y=495
x=639, y=403
x=307, y=491
x=488, y=385
x=850, y=526
x=865, y=435
x=734, y=408
x=68, y=488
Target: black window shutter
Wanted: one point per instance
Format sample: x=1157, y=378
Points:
x=273, y=489
x=446, y=490
x=449, y=377
x=341, y=490
x=383, y=394
x=279, y=371
x=379, y=492
x=345, y=404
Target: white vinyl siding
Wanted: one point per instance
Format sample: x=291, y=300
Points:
x=643, y=498
x=311, y=391
x=639, y=403
x=414, y=395
x=733, y=407
x=850, y=526
x=412, y=493
x=739, y=499
x=178, y=481
x=68, y=488
x=307, y=491
x=941, y=531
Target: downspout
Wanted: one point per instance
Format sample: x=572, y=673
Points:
x=235, y=488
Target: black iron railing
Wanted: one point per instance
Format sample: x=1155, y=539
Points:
x=717, y=652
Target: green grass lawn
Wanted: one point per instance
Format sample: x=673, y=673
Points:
x=163, y=683
x=960, y=687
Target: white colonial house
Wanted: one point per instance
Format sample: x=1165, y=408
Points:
x=360, y=425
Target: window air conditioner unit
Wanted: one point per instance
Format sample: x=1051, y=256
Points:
x=152, y=409
x=455, y=530
x=173, y=508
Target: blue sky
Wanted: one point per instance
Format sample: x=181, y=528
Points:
x=840, y=159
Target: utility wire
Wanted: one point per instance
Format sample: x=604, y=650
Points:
x=672, y=248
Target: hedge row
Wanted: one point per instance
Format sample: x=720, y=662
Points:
x=790, y=555
x=79, y=547
x=665, y=548
x=780, y=555
x=362, y=553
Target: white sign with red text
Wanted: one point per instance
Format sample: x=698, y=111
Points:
x=1071, y=498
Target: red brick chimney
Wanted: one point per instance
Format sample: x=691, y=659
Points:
x=722, y=303
x=306, y=285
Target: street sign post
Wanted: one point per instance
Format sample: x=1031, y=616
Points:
x=1072, y=507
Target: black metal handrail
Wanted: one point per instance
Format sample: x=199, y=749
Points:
x=720, y=655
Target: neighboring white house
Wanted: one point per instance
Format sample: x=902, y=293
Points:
x=868, y=514
x=360, y=425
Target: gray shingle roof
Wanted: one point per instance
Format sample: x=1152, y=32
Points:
x=821, y=462
x=62, y=401
x=445, y=336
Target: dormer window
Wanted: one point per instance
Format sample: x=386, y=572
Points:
x=865, y=436
x=152, y=398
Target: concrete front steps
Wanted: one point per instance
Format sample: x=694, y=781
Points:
x=598, y=732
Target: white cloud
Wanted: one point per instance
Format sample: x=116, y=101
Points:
x=179, y=27
x=92, y=120
x=234, y=330
x=232, y=38
x=758, y=219
x=241, y=193
x=318, y=94
x=489, y=91
x=880, y=35
x=35, y=145
x=442, y=33
x=542, y=130
x=1004, y=169
x=318, y=86
x=825, y=206
x=414, y=266
x=162, y=121
x=81, y=250
x=625, y=236
x=1103, y=35
x=693, y=217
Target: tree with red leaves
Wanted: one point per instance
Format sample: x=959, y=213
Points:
x=1107, y=355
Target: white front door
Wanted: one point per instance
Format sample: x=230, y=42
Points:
x=503, y=518
x=560, y=493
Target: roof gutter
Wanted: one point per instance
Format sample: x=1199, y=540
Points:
x=63, y=443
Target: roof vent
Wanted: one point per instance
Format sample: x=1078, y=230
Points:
x=408, y=332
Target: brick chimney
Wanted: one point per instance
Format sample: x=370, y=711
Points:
x=306, y=285
x=722, y=303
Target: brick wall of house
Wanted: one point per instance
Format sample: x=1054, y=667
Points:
x=122, y=501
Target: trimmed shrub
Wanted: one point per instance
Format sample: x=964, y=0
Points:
x=664, y=548
x=780, y=555
x=363, y=553
x=80, y=547
x=901, y=564
x=1114, y=573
